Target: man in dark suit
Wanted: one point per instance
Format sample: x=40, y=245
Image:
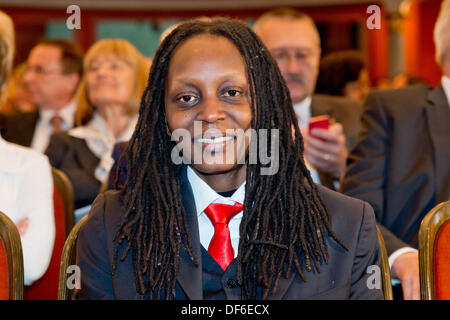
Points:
x=54, y=68
x=401, y=164
x=293, y=40
x=344, y=277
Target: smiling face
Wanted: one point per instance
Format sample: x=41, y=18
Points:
x=207, y=88
x=109, y=80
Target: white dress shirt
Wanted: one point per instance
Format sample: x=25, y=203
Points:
x=303, y=112
x=26, y=192
x=204, y=195
x=445, y=81
x=44, y=128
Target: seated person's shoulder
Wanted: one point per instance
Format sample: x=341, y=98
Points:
x=336, y=101
x=19, y=158
x=348, y=215
x=397, y=100
x=106, y=211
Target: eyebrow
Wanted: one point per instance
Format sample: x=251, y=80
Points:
x=228, y=76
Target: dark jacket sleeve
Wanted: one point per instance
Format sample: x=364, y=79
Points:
x=367, y=256
x=368, y=163
x=78, y=163
x=92, y=256
x=391, y=241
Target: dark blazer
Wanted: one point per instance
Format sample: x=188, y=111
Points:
x=401, y=164
x=19, y=128
x=72, y=156
x=345, y=276
x=118, y=172
x=345, y=111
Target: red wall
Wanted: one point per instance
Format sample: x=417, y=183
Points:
x=30, y=25
x=419, y=45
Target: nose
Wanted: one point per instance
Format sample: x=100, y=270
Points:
x=102, y=70
x=211, y=110
x=293, y=65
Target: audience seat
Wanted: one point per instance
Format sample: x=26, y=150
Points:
x=385, y=270
x=11, y=260
x=68, y=258
x=434, y=253
x=46, y=288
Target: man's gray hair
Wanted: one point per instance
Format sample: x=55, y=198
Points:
x=442, y=33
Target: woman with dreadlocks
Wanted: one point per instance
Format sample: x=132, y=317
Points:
x=214, y=229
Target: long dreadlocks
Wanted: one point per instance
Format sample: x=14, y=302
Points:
x=284, y=224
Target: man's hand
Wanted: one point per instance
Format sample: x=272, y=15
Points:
x=406, y=269
x=328, y=156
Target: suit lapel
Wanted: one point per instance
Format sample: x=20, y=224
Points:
x=189, y=276
x=30, y=128
x=438, y=118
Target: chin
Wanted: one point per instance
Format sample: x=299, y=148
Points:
x=211, y=169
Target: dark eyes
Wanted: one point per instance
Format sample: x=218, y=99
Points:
x=232, y=93
x=187, y=99
x=191, y=98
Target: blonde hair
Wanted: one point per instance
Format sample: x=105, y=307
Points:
x=442, y=33
x=126, y=52
x=7, y=48
x=15, y=83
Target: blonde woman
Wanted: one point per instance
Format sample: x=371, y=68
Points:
x=114, y=79
x=26, y=186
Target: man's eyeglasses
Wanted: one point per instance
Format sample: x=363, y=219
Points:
x=42, y=71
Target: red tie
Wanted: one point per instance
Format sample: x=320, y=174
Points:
x=220, y=247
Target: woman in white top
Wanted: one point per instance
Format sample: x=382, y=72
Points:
x=115, y=74
x=26, y=185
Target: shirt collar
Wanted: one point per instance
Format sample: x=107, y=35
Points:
x=67, y=113
x=204, y=195
x=303, y=111
x=446, y=85
x=100, y=140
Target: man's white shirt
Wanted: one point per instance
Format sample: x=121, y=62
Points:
x=44, y=128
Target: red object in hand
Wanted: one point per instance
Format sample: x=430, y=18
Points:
x=319, y=122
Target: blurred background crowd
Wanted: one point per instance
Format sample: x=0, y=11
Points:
x=73, y=96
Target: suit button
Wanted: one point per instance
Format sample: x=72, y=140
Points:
x=231, y=283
